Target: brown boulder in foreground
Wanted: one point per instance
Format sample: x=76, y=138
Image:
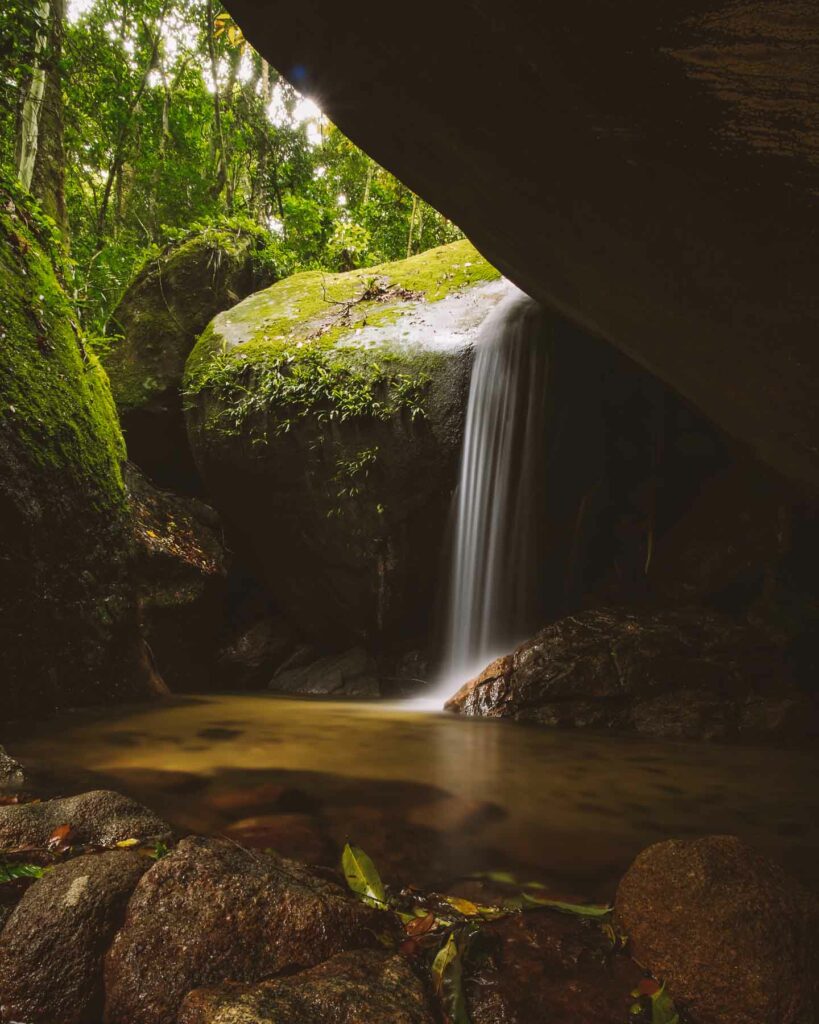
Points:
x=53, y=944
x=211, y=912
x=361, y=987
x=735, y=938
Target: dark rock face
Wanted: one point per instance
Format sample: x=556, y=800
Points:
x=181, y=570
x=211, y=912
x=735, y=939
x=684, y=674
x=155, y=325
x=69, y=628
x=256, y=650
x=12, y=775
x=325, y=414
x=351, y=674
x=52, y=946
x=551, y=967
x=352, y=988
x=666, y=201
x=98, y=818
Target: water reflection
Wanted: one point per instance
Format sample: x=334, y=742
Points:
x=432, y=796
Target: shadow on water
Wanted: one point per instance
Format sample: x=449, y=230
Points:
x=431, y=797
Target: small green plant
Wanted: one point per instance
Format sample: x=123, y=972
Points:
x=448, y=931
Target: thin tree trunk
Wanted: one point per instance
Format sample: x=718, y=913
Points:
x=223, y=179
x=29, y=135
x=412, y=225
x=118, y=160
x=368, y=184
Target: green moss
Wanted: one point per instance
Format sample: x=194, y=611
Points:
x=282, y=349
x=171, y=299
x=54, y=396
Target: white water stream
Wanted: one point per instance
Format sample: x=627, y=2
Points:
x=495, y=562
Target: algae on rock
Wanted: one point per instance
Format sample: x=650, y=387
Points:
x=155, y=326
x=68, y=622
x=325, y=415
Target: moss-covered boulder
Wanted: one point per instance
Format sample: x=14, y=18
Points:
x=325, y=415
x=154, y=327
x=68, y=622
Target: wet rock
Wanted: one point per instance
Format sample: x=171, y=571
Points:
x=210, y=912
x=52, y=946
x=256, y=650
x=351, y=988
x=351, y=674
x=325, y=415
x=734, y=937
x=546, y=966
x=98, y=818
x=12, y=775
x=181, y=573
x=290, y=835
x=69, y=626
x=154, y=327
x=685, y=674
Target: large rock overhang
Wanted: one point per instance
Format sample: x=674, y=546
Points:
x=651, y=171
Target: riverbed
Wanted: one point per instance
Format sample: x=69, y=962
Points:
x=432, y=797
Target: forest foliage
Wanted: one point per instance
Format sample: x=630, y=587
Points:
x=156, y=117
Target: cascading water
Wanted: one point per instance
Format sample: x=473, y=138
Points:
x=496, y=557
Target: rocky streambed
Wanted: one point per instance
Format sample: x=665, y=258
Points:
x=109, y=915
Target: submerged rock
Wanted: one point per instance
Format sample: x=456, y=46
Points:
x=154, y=327
x=550, y=967
x=733, y=936
x=688, y=674
x=181, y=573
x=12, y=775
x=325, y=415
x=351, y=674
x=98, y=818
x=352, y=988
x=211, y=912
x=53, y=944
x=69, y=629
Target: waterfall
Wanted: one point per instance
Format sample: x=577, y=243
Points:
x=495, y=560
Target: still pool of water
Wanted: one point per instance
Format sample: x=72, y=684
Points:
x=431, y=796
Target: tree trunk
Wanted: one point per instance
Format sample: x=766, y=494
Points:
x=29, y=134
x=223, y=179
x=412, y=225
x=48, y=180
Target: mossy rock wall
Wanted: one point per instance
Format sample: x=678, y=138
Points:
x=326, y=414
x=68, y=619
x=154, y=327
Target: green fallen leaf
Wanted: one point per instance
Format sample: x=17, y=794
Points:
x=11, y=872
x=663, y=1010
x=578, y=909
x=447, y=981
x=362, y=876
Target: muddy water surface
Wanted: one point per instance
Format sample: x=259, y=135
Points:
x=431, y=796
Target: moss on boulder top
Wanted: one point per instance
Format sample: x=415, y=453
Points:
x=155, y=325
x=325, y=414
x=68, y=627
